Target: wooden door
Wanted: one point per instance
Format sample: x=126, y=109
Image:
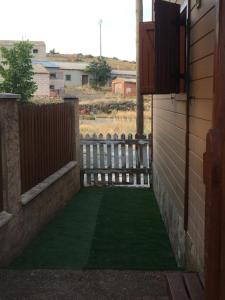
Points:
x=84, y=79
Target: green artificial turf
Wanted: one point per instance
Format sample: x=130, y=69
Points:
x=103, y=228
x=65, y=242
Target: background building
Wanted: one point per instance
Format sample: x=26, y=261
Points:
x=53, y=76
x=124, y=87
x=74, y=73
x=41, y=77
x=56, y=77
x=39, y=48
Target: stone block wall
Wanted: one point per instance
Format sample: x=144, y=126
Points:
x=28, y=219
x=24, y=215
x=172, y=219
x=43, y=84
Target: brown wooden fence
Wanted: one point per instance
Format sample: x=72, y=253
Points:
x=46, y=137
x=114, y=160
x=1, y=175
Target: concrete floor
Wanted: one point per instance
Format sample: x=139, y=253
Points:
x=82, y=285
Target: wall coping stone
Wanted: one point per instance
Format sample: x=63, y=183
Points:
x=5, y=217
x=39, y=188
x=9, y=96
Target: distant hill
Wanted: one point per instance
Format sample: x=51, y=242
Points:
x=114, y=63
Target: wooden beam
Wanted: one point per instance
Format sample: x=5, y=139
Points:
x=140, y=102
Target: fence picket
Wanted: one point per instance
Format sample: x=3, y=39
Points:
x=113, y=159
x=116, y=158
x=137, y=160
x=81, y=154
x=102, y=158
x=123, y=158
x=145, y=162
x=95, y=159
x=130, y=159
x=88, y=159
x=109, y=157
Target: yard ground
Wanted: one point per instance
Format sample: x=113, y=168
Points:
x=103, y=228
x=107, y=243
x=104, y=112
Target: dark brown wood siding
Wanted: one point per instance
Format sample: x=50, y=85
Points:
x=147, y=58
x=46, y=141
x=167, y=27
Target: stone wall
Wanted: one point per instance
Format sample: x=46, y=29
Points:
x=184, y=249
x=24, y=215
x=172, y=219
x=25, y=223
x=43, y=84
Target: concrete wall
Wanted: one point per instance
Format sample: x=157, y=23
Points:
x=169, y=131
x=124, y=88
x=38, y=45
x=118, y=88
x=43, y=83
x=129, y=89
x=41, y=48
x=58, y=82
x=24, y=215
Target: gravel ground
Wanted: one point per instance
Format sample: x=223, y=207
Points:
x=82, y=285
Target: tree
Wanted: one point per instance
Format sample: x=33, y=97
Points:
x=16, y=70
x=53, y=51
x=101, y=72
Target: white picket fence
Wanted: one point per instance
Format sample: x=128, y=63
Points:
x=116, y=161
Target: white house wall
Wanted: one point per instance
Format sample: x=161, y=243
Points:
x=76, y=77
x=169, y=136
x=58, y=81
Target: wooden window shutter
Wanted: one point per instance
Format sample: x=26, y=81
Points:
x=167, y=28
x=147, y=58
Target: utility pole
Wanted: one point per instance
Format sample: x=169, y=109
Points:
x=140, y=102
x=100, y=27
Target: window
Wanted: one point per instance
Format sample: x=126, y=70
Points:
x=167, y=28
x=68, y=77
x=147, y=57
x=52, y=75
x=35, y=51
x=52, y=87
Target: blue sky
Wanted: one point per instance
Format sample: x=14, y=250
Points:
x=71, y=26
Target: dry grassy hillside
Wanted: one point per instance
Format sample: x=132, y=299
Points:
x=114, y=63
